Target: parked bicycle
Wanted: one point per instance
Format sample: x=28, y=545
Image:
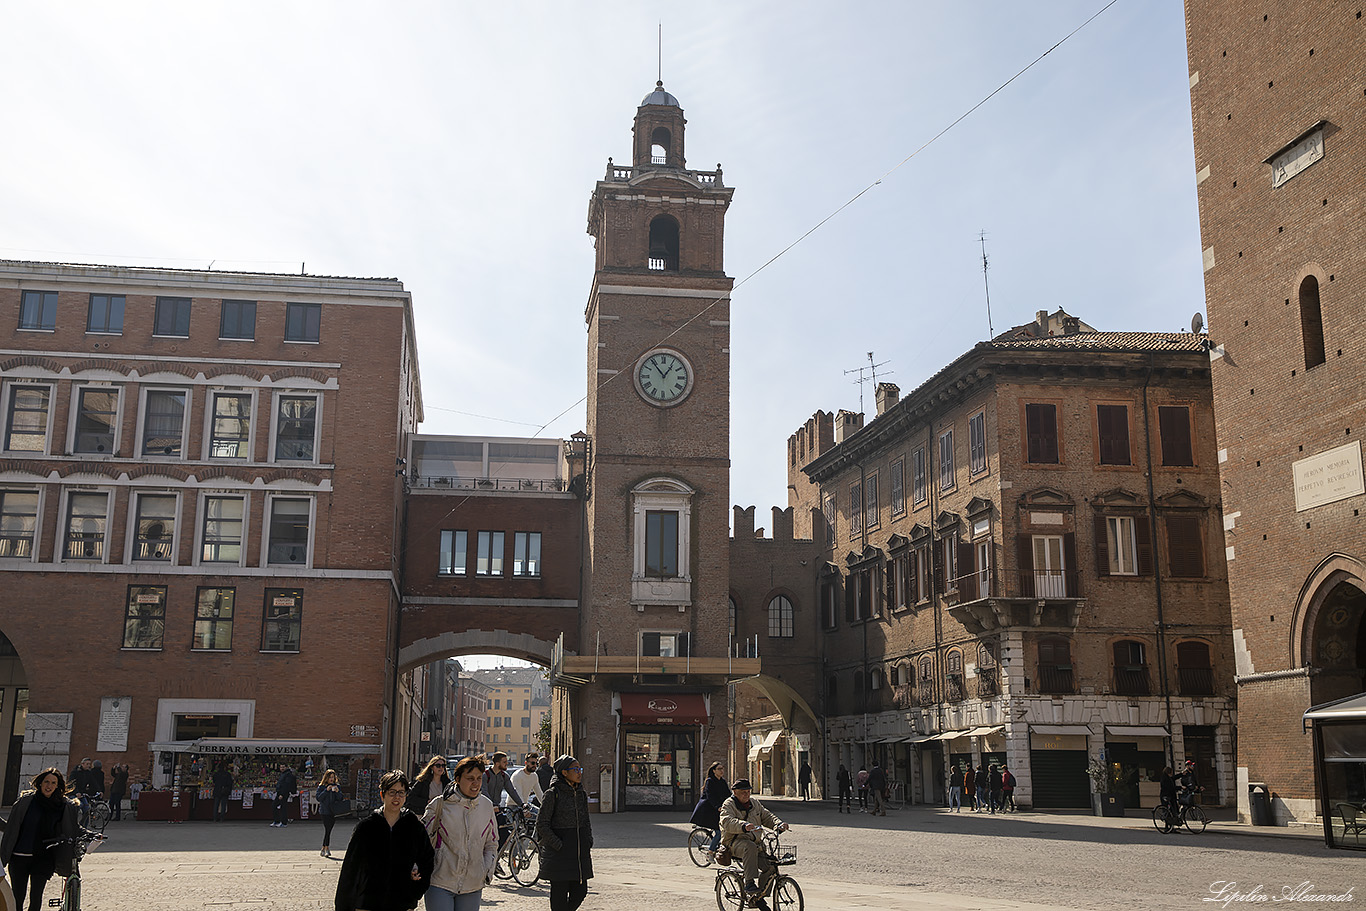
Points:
x=97, y=814
x=520, y=858
x=1188, y=813
x=71, y=889
x=699, y=845
x=782, y=889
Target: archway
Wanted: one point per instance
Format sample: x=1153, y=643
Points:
x=1336, y=645
x=13, y=713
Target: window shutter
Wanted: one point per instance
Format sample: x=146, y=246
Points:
x=1184, y=551
x=1071, y=578
x=1102, y=547
x=1024, y=558
x=967, y=579
x=913, y=577
x=1174, y=425
x=879, y=590
x=937, y=563
x=1143, y=537
x=850, y=599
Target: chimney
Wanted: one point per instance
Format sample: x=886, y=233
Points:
x=888, y=394
x=1041, y=317
x=1071, y=325
x=847, y=423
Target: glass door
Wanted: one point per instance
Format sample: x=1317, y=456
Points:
x=659, y=770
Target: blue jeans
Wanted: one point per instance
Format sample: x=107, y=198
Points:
x=955, y=797
x=715, y=839
x=439, y=899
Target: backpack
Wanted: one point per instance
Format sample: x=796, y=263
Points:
x=1008, y=780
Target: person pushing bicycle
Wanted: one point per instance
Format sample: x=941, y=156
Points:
x=743, y=820
x=1188, y=783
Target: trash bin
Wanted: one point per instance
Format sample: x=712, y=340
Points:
x=1259, y=804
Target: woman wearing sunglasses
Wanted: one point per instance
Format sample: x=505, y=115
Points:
x=565, y=835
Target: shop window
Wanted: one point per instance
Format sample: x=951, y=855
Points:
x=105, y=314
x=1174, y=426
x=163, y=422
x=454, y=553
x=1112, y=434
x=97, y=412
x=1041, y=433
x=18, y=523
x=526, y=554
x=977, y=443
x=221, y=541
x=489, y=555
x=144, y=620
x=1185, y=547
x=172, y=317
x=1194, y=670
x=898, y=487
x=154, y=533
x=230, y=426
x=86, y=518
x=38, y=310
x=213, y=618
x=193, y=727
x=26, y=413
x=296, y=428
x=237, y=320
x=289, y=531
x=1131, y=669
x=1055, y=666
x=303, y=322
x=283, y=621
x=780, y=618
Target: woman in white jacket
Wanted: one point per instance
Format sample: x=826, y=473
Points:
x=465, y=834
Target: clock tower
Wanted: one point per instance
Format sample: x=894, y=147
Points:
x=647, y=696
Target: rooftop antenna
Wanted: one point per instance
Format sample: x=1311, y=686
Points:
x=982, y=237
x=871, y=369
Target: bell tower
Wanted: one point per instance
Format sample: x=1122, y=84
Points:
x=647, y=696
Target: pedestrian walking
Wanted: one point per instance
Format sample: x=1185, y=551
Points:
x=38, y=837
x=846, y=787
x=956, y=788
x=118, y=787
x=982, y=781
x=422, y=791
x=970, y=785
x=527, y=782
x=329, y=799
x=544, y=772
x=286, y=786
x=804, y=779
x=877, y=790
x=463, y=830
x=995, y=786
x=388, y=863
x=222, y=790
x=861, y=780
x=1007, y=789
x=565, y=834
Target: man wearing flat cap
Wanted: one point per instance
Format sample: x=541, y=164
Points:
x=743, y=821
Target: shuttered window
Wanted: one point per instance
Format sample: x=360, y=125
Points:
x=1174, y=424
x=1185, y=549
x=1041, y=433
x=1112, y=432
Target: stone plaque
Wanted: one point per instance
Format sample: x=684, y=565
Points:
x=112, y=736
x=1328, y=477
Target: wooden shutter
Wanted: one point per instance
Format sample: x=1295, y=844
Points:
x=1071, y=578
x=1185, y=552
x=1024, y=559
x=967, y=577
x=1102, y=546
x=913, y=577
x=1143, y=538
x=1174, y=424
x=1112, y=426
x=850, y=598
x=1041, y=429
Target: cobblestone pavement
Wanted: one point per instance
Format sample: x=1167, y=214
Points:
x=915, y=859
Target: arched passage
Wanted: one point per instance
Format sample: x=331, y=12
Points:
x=13, y=713
x=523, y=646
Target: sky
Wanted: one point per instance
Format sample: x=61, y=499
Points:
x=454, y=146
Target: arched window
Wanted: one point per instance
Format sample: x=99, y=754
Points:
x=1131, y=668
x=780, y=618
x=903, y=674
x=832, y=692
x=1055, y=666
x=1194, y=670
x=663, y=244
x=732, y=617
x=1311, y=322
x=953, y=670
x=926, y=684
x=660, y=143
x=875, y=679
x=860, y=691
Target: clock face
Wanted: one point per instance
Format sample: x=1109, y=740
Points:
x=663, y=378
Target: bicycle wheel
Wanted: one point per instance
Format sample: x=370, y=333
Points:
x=699, y=841
x=99, y=816
x=730, y=891
x=787, y=895
x=1162, y=819
x=71, y=894
x=525, y=859
x=1196, y=820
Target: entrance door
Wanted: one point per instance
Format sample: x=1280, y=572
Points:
x=659, y=770
x=1200, y=747
x=1049, y=578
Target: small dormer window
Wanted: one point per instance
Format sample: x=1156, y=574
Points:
x=660, y=141
x=663, y=244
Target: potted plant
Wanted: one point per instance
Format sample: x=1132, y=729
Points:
x=1106, y=799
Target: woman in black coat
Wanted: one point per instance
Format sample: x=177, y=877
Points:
x=707, y=813
x=421, y=792
x=39, y=837
x=389, y=861
x=565, y=835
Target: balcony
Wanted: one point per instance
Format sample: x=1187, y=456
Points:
x=988, y=682
x=903, y=697
x=955, y=691
x=1055, y=679
x=1132, y=681
x=490, y=485
x=16, y=546
x=1196, y=681
x=1049, y=583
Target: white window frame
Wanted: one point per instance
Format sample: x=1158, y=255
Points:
x=1123, y=560
x=130, y=537
x=73, y=417
x=674, y=634
x=41, y=491
x=6, y=415
x=901, y=579
x=201, y=515
x=662, y=494
x=143, y=395
x=65, y=518
x=982, y=552
x=210, y=406
x=317, y=395
x=1050, y=581
x=269, y=514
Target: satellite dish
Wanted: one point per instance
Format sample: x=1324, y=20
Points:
x=1197, y=322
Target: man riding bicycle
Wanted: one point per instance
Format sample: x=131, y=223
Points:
x=1188, y=783
x=743, y=821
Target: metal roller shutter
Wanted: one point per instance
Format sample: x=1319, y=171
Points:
x=1058, y=779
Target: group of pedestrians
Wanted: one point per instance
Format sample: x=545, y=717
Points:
x=443, y=852
x=986, y=788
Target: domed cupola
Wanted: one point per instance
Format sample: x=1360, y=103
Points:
x=659, y=131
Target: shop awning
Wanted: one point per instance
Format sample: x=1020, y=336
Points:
x=764, y=745
x=663, y=708
x=953, y=735
x=1353, y=708
x=1080, y=729
x=897, y=739
x=233, y=746
x=990, y=729
x=1135, y=731
x=921, y=738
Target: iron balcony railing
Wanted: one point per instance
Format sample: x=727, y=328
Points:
x=1049, y=583
x=503, y=485
x=1055, y=679
x=1132, y=681
x=1196, y=681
